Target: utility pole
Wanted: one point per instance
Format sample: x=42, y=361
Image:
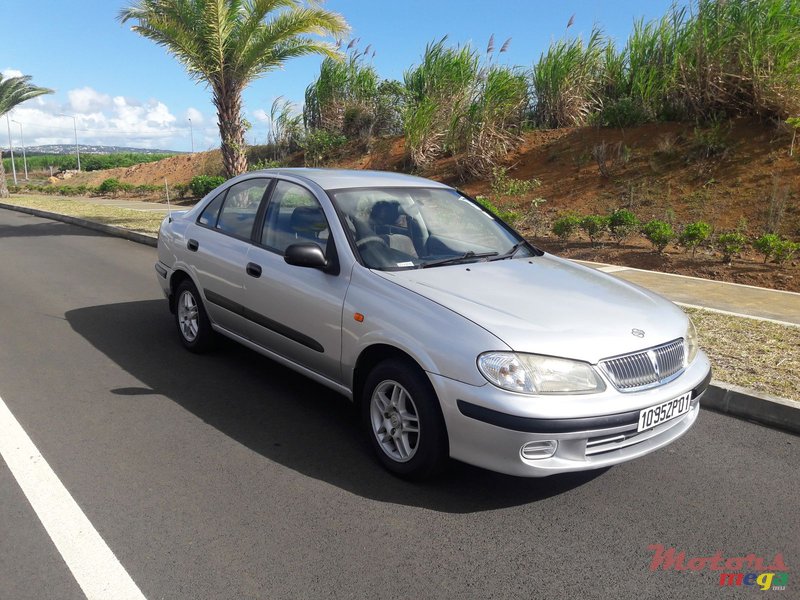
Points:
x=75, y=126
x=11, y=149
x=22, y=140
x=191, y=133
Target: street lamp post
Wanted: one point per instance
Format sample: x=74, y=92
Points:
x=191, y=133
x=11, y=150
x=22, y=141
x=75, y=126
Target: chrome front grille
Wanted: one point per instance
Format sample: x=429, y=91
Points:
x=646, y=368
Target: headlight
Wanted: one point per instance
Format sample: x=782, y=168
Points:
x=692, y=345
x=535, y=374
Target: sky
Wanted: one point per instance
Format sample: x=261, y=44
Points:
x=124, y=90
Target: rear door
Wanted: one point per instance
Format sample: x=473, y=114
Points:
x=218, y=243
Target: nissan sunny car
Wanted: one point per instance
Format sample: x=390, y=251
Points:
x=454, y=336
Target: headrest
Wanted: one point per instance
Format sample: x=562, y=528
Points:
x=385, y=212
x=308, y=219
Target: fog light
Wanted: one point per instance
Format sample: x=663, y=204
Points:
x=538, y=450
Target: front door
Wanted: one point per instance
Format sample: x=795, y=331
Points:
x=295, y=311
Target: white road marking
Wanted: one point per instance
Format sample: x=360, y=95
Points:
x=93, y=564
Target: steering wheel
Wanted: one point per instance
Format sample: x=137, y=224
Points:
x=370, y=239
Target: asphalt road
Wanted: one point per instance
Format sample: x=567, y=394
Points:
x=227, y=476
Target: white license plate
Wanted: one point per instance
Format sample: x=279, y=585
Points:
x=661, y=413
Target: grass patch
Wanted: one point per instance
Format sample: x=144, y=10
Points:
x=755, y=354
x=143, y=222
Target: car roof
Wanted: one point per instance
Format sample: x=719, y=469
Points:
x=335, y=179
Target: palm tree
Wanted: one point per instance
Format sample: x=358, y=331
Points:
x=228, y=43
x=14, y=91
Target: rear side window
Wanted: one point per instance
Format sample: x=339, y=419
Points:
x=241, y=204
x=210, y=213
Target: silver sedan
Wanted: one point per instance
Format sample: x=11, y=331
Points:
x=455, y=336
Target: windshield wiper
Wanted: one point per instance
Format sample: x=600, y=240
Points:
x=469, y=254
x=512, y=252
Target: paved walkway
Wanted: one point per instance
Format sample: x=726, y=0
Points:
x=717, y=295
x=734, y=298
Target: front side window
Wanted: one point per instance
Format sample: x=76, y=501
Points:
x=293, y=216
x=238, y=213
x=404, y=228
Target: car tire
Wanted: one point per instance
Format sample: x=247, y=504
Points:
x=191, y=319
x=403, y=420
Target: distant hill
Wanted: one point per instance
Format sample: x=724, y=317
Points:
x=86, y=149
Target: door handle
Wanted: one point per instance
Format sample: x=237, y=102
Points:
x=253, y=270
x=192, y=245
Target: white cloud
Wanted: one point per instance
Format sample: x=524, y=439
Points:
x=86, y=100
x=8, y=73
x=195, y=115
x=107, y=120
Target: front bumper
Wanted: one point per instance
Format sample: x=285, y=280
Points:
x=488, y=427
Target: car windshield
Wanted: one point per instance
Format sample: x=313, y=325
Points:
x=411, y=228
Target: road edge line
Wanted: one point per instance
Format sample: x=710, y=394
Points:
x=91, y=562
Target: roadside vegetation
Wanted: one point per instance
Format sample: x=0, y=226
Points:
x=89, y=162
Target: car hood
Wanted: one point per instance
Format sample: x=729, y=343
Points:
x=548, y=305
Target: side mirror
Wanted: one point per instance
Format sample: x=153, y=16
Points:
x=307, y=254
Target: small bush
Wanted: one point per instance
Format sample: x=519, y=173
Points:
x=506, y=215
x=785, y=250
x=731, y=244
x=566, y=226
x=503, y=185
x=622, y=223
x=594, y=226
x=659, y=233
x=767, y=245
x=694, y=234
x=203, y=184
x=319, y=145
x=110, y=186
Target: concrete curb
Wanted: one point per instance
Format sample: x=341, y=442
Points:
x=133, y=236
x=720, y=397
x=753, y=406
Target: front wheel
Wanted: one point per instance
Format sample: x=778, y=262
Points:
x=191, y=318
x=403, y=420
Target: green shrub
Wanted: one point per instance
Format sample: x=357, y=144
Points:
x=507, y=215
x=731, y=244
x=503, y=185
x=319, y=145
x=767, y=245
x=659, y=233
x=594, y=226
x=694, y=234
x=203, y=184
x=785, y=250
x=566, y=226
x=622, y=223
x=110, y=186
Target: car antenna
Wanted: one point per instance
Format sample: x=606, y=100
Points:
x=169, y=206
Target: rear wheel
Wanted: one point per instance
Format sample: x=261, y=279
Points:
x=403, y=421
x=191, y=318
